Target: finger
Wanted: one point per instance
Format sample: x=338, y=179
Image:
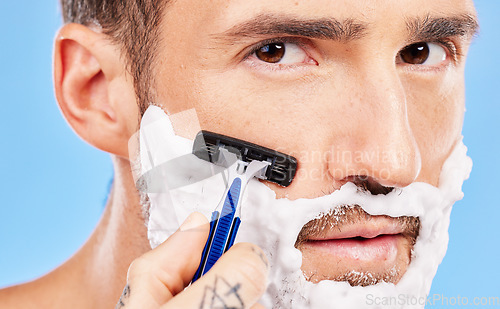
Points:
x=258, y=306
x=157, y=276
x=237, y=280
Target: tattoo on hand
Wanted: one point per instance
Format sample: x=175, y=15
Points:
x=124, y=297
x=222, y=295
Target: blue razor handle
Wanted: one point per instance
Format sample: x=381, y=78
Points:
x=223, y=229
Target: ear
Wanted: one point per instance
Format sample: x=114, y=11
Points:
x=93, y=88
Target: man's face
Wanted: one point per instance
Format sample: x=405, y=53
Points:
x=365, y=91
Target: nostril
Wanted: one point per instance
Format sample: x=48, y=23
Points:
x=367, y=183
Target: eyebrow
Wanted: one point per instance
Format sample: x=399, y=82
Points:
x=427, y=28
x=272, y=24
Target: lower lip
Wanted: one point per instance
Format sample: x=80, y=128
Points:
x=380, y=248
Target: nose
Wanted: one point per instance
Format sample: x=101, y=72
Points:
x=378, y=141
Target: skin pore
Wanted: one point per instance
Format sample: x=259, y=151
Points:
x=366, y=77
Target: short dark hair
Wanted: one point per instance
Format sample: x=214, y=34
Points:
x=131, y=24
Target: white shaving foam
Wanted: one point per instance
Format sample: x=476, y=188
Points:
x=274, y=224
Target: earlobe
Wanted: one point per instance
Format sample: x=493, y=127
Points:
x=92, y=89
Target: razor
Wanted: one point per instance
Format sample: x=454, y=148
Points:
x=244, y=161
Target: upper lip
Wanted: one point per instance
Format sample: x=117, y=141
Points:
x=376, y=226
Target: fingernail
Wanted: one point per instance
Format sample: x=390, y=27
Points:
x=193, y=221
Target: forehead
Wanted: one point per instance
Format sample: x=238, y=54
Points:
x=223, y=14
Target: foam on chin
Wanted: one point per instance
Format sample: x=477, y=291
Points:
x=274, y=224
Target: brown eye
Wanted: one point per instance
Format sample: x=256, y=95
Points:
x=271, y=53
x=415, y=54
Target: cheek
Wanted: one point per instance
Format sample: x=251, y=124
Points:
x=435, y=113
x=272, y=114
x=305, y=114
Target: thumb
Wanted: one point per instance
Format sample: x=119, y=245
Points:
x=237, y=280
x=157, y=276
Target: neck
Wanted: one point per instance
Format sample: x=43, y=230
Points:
x=96, y=275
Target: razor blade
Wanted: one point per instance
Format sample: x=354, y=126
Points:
x=282, y=169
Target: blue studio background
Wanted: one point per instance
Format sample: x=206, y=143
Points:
x=53, y=186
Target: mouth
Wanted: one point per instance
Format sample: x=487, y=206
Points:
x=356, y=247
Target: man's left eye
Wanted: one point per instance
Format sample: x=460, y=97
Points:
x=281, y=53
x=423, y=53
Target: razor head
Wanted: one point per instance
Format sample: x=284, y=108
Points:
x=282, y=167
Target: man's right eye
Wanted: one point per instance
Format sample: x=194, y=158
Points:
x=282, y=53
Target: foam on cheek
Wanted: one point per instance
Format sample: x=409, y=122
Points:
x=274, y=224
